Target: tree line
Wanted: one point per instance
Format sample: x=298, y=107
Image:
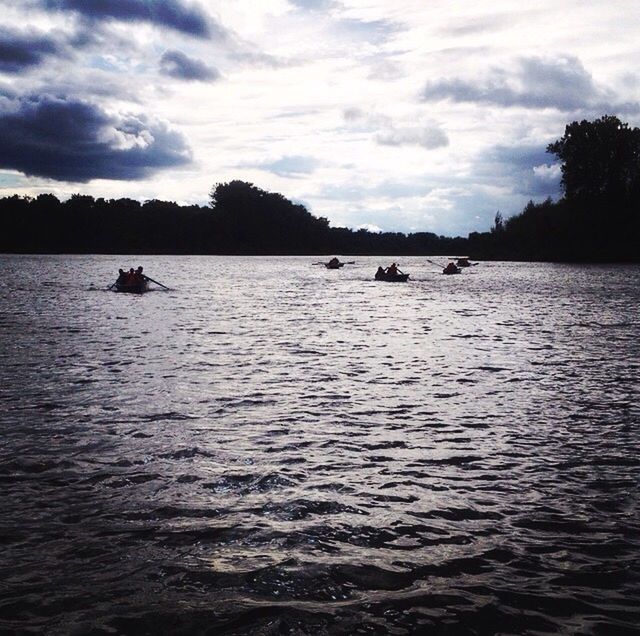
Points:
x=597, y=218
x=242, y=219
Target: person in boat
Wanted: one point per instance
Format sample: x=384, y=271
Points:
x=121, y=277
x=334, y=261
x=392, y=270
x=451, y=268
x=380, y=272
x=139, y=276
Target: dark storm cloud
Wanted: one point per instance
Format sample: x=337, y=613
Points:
x=175, y=14
x=177, y=64
x=72, y=140
x=561, y=83
x=21, y=50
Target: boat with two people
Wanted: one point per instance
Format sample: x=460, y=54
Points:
x=451, y=268
x=133, y=282
x=463, y=261
x=391, y=274
x=335, y=263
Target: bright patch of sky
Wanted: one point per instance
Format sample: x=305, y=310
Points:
x=395, y=115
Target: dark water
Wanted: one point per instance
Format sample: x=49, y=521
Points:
x=274, y=448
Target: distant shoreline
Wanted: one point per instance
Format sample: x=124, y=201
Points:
x=244, y=220
x=329, y=255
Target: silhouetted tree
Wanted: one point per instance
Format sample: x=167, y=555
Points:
x=256, y=221
x=599, y=158
x=498, y=223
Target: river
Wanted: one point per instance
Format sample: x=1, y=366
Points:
x=271, y=447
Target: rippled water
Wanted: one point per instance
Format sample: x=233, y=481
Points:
x=275, y=448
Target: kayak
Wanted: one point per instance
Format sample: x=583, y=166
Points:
x=334, y=265
x=457, y=270
x=137, y=287
x=392, y=278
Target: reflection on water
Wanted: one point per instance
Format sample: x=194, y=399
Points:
x=277, y=448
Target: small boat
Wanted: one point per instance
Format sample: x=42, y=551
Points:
x=135, y=287
x=334, y=265
x=463, y=261
x=451, y=269
x=392, y=278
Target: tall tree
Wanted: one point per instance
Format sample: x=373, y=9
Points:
x=599, y=159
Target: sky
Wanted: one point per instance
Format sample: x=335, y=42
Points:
x=392, y=115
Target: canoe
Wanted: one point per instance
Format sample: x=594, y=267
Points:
x=334, y=265
x=392, y=278
x=137, y=287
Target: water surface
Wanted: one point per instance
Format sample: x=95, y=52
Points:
x=276, y=448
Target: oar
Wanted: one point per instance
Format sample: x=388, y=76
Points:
x=436, y=264
x=156, y=282
x=111, y=286
x=349, y=263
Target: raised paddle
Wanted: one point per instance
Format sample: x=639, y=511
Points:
x=156, y=282
x=436, y=264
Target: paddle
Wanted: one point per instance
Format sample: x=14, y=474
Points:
x=156, y=282
x=111, y=286
x=436, y=264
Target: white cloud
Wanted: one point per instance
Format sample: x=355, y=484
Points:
x=429, y=137
x=548, y=172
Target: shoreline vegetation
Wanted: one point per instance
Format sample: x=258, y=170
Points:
x=596, y=220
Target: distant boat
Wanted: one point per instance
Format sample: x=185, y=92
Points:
x=452, y=268
x=463, y=261
x=392, y=278
x=134, y=287
x=334, y=264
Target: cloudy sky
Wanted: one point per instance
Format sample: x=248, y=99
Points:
x=408, y=115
